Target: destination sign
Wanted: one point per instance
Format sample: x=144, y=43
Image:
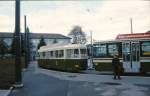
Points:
x=133, y=36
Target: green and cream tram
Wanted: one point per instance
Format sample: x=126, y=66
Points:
x=72, y=57
x=133, y=51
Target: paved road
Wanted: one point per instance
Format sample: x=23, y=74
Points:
x=40, y=84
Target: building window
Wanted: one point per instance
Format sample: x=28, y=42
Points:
x=55, y=41
x=145, y=48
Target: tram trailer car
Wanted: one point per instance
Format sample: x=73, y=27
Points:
x=71, y=58
x=133, y=51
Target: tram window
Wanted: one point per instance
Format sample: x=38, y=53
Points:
x=112, y=49
x=56, y=54
x=51, y=53
x=145, y=48
x=43, y=54
x=83, y=51
x=61, y=53
x=76, y=51
x=40, y=54
x=47, y=54
x=37, y=54
x=69, y=52
x=100, y=51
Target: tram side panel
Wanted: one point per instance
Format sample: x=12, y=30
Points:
x=103, y=54
x=102, y=59
x=70, y=65
x=102, y=65
x=145, y=56
x=61, y=63
x=105, y=64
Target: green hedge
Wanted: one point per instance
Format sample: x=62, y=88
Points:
x=7, y=72
x=71, y=65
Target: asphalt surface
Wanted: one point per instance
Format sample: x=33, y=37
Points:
x=39, y=84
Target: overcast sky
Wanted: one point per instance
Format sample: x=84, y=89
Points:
x=105, y=18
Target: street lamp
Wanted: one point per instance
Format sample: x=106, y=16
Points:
x=18, y=75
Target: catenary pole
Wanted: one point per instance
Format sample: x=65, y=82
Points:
x=91, y=57
x=18, y=75
x=25, y=38
x=131, y=25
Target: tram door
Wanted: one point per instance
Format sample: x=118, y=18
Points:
x=131, y=55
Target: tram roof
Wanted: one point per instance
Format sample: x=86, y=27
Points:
x=107, y=41
x=133, y=36
x=128, y=37
x=61, y=47
x=123, y=40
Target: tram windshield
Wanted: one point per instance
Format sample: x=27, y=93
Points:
x=100, y=50
x=112, y=49
x=105, y=50
x=145, y=48
x=76, y=53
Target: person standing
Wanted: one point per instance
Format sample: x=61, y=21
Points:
x=116, y=67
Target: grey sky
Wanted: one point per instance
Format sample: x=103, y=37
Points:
x=105, y=18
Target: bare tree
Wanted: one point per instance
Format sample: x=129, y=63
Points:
x=77, y=35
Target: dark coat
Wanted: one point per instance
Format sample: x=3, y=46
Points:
x=115, y=63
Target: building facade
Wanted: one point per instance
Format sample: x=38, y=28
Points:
x=48, y=38
x=34, y=39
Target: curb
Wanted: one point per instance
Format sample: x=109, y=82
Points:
x=9, y=91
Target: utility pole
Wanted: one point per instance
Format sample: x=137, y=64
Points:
x=25, y=38
x=28, y=43
x=131, y=44
x=91, y=44
x=131, y=26
x=91, y=52
x=18, y=68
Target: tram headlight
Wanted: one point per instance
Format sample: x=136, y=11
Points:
x=96, y=64
x=77, y=66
